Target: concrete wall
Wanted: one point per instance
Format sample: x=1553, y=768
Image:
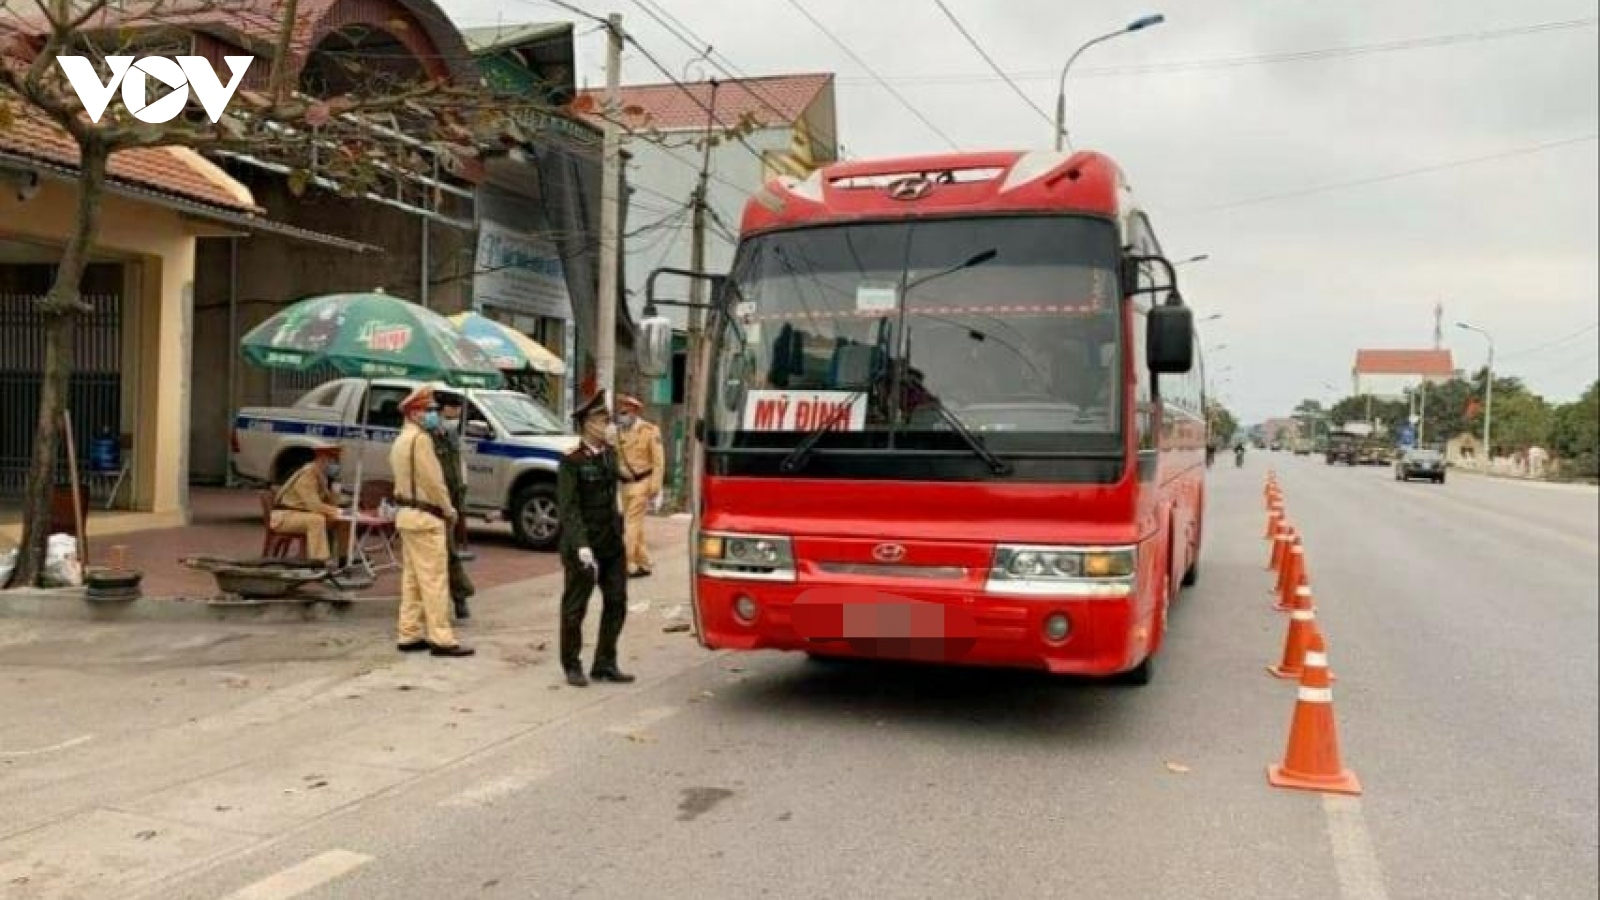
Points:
x=159, y=249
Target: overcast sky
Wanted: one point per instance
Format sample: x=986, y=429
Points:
x=1508, y=244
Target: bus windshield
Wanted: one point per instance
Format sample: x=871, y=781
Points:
x=882, y=331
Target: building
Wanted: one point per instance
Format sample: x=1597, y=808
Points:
x=1390, y=374
x=132, y=351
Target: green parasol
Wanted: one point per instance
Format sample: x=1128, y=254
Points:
x=370, y=336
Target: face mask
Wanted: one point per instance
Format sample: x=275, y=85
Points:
x=430, y=420
x=625, y=420
x=611, y=433
x=333, y=471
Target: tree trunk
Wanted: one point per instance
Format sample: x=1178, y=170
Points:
x=60, y=309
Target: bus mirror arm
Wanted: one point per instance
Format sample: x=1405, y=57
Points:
x=654, y=353
x=1130, y=277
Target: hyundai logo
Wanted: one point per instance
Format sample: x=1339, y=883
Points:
x=888, y=553
x=913, y=188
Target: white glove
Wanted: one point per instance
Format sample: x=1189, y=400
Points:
x=586, y=557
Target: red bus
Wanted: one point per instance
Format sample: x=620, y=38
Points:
x=953, y=413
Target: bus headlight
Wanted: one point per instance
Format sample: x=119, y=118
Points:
x=753, y=557
x=1088, y=572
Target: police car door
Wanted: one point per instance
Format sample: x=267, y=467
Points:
x=484, y=489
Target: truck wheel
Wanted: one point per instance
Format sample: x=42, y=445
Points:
x=534, y=517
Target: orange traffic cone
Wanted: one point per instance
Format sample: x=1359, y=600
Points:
x=1302, y=624
x=1274, y=516
x=1290, y=572
x=1300, y=597
x=1280, y=544
x=1311, y=762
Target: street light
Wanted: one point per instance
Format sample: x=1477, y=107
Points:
x=1138, y=24
x=1212, y=318
x=1193, y=259
x=1488, y=390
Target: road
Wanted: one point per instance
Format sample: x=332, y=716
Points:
x=1462, y=627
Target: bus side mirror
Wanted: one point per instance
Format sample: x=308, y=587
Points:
x=1169, y=338
x=655, y=346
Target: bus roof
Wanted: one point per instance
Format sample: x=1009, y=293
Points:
x=943, y=185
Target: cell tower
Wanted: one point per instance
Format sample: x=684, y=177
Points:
x=1438, y=326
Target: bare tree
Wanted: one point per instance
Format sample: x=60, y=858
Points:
x=373, y=124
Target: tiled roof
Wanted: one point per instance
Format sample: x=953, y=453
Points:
x=175, y=171
x=773, y=100
x=1405, y=362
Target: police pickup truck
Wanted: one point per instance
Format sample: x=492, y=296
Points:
x=511, y=446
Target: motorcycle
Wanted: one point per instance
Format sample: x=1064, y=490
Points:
x=1238, y=458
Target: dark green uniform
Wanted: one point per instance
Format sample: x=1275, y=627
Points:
x=447, y=446
x=586, y=491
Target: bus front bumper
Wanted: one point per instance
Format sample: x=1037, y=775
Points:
x=1102, y=636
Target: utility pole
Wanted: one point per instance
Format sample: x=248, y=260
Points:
x=610, y=216
x=697, y=296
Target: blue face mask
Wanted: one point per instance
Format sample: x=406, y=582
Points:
x=333, y=471
x=430, y=420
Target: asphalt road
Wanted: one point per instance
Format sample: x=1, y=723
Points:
x=1462, y=627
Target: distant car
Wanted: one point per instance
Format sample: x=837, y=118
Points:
x=1427, y=464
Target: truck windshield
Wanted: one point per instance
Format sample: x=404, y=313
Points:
x=1011, y=324
x=519, y=414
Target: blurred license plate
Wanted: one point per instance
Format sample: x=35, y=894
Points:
x=881, y=620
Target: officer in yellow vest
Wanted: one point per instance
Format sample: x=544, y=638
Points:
x=426, y=512
x=641, y=469
x=306, y=503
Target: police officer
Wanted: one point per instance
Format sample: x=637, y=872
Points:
x=592, y=548
x=447, y=446
x=306, y=504
x=426, y=513
x=643, y=468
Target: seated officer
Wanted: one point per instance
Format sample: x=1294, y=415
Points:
x=306, y=503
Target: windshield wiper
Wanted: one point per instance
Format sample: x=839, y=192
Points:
x=797, y=457
x=979, y=448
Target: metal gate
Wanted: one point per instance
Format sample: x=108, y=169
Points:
x=94, y=396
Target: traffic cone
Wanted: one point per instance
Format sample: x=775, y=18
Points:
x=1274, y=516
x=1280, y=542
x=1302, y=624
x=1311, y=762
x=1290, y=572
x=1300, y=597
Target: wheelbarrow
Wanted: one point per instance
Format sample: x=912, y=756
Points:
x=272, y=579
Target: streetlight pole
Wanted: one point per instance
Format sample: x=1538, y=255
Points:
x=1488, y=392
x=1138, y=24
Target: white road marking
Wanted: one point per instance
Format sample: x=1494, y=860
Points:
x=313, y=873
x=487, y=792
x=15, y=754
x=643, y=720
x=1355, y=862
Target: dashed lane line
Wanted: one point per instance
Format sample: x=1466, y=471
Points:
x=1355, y=862
x=307, y=876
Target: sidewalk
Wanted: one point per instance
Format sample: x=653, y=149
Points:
x=227, y=523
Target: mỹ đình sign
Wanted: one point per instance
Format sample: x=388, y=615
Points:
x=804, y=410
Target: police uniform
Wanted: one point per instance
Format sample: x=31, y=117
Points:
x=426, y=512
x=642, y=464
x=447, y=447
x=304, y=504
x=586, y=494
